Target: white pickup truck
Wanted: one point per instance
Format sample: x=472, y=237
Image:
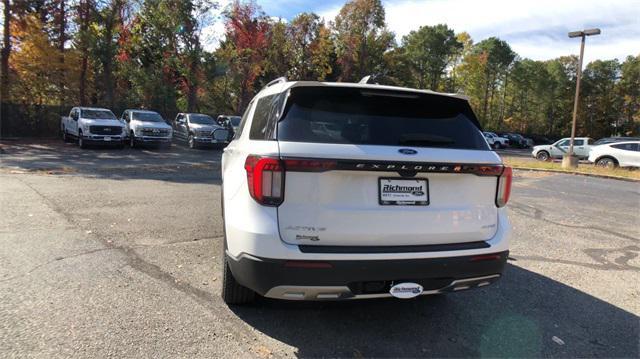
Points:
x=90, y=125
x=146, y=127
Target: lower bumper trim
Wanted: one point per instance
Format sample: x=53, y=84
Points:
x=344, y=279
x=344, y=292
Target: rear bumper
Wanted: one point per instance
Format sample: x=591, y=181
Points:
x=359, y=279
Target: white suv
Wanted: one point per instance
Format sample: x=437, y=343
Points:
x=345, y=191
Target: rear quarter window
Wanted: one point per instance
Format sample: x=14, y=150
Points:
x=267, y=112
x=379, y=117
x=626, y=146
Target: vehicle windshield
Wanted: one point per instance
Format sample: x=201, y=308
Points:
x=375, y=117
x=235, y=120
x=147, y=116
x=98, y=115
x=201, y=119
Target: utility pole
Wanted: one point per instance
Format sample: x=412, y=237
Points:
x=569, y=160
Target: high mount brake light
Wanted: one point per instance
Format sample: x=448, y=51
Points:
x=265, y=178
x=504, y=187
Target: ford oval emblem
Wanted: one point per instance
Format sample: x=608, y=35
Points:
x=407, y=151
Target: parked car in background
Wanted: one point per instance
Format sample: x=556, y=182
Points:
x=496, y=141
x=516, y=140
x=490, y=141
x=616, y=154
x=581, y=148
x=145, y=127
x=197, y=129
x=360, y=191
x=92, y=125
x=233, y=121
x=540, y=140
x=530, y=143
x=606, y=140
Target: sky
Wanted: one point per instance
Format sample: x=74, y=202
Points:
x=535, y=29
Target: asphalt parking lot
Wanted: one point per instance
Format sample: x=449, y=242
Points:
x=107, y=252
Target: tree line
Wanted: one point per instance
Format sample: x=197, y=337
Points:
x=150, y=53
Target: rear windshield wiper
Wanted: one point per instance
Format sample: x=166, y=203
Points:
x=424, y=140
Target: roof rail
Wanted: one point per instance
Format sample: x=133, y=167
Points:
x=366, y=80
x=277, y=81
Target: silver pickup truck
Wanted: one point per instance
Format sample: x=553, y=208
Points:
x=91, y=125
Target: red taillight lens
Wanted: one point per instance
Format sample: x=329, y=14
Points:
x=265, y=178
x=309, y=165
x=504, y=187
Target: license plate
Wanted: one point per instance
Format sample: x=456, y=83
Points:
x=403, y=192
x=107, y=138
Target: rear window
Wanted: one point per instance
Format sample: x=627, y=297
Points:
x=147, y=116
x=201, y=119
x=98, y=115
x=378, y=117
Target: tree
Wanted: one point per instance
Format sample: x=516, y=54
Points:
x=6, y=53
x=278, y=58
x=311, y=48
x=247, y=30
x=60, y=20
x=562, y=75
x=465, y=39
x=36, y=75
x=599, y=111
x=82, y=43
x=429, y=51
x=361, y=39
x=628, y=90
x=527, y=95
x=498, y=56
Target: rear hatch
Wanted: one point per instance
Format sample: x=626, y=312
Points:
x=384, y=168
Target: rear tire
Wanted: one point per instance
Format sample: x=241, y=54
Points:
x=65, y=137
x=543, y=156
x=608, y=162
x=232, y=292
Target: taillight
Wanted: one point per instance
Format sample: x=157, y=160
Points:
x=504, y=187
x=309, y=165
x=265, y=178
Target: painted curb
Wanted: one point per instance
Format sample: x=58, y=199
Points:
x=576, y=173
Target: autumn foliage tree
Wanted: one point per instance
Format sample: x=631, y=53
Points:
x=246, y=45
x=361, y=39
x=155, y=54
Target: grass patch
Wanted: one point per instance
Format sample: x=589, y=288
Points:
x=517, y=162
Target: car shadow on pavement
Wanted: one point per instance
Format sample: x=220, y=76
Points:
x=177, y=164
x=522, y=315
